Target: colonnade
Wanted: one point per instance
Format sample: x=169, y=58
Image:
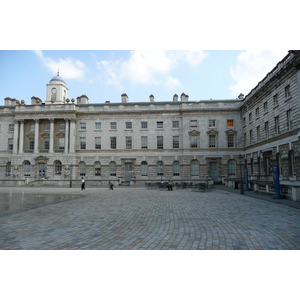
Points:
x=19, y=134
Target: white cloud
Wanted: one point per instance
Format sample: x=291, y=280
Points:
x=172, y=83
x=69, y=68
x=149, y=67
x=251, y=67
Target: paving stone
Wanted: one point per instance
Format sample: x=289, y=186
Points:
x=136, y=218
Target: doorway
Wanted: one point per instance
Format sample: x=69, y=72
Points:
x=42, y=170
x=128, y=171
x=213, y=170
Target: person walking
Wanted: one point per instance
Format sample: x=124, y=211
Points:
x=82, y=184
x=111, y=185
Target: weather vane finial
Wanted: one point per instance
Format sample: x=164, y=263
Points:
x=57, y=72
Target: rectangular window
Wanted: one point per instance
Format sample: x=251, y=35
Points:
x=211, y=123
x=193, y=123
x=266, y=107
x=82, y=143
x=144, y=142
x=46, y=143
x=175, y=124
x=267, y=129
x=83, y=126
x=194, y=141
x=62, y=127
x=31, y=143
x=31, y=127
x=245, y=139
x=47, y=127
x=11, y=127
x=160, y=124
x=257, y=112
x=251, y=137
x=175, y=142
x=250, y=117
x=98, y=125
x=113, y=125
x=258, y=133
x=212, y=141
x=277, y=129
x=10, y=143
x=230, y=140
x=128, y=142
x=113, y=142
x=275, y=100
x=229, y=123
x=289, y=119
x=98, y=143
x=128, y=125
x=61, y=143
x=160, y=142
x=287, y=91
x=144, y=125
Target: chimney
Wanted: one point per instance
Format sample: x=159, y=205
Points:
x=151, y=97
x=124, y=97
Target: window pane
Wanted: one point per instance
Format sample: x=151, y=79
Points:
x=97, y=142
x=160, y=142
x=212, y=141
x=160, y=124
x=144, y=142
x=128, y=142
x=113, y=142
x=175, y=124
x=175, y=141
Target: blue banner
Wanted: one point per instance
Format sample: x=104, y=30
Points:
x=276, y=180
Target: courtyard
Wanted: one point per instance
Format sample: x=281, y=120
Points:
x=132, y=218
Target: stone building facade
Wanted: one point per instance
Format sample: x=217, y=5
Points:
x=60, y=139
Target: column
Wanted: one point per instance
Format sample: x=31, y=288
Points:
x=36, y=136
x=67, y=136
x=72, y=136
x=51, y=141
x=16, y=137
x=21, y=141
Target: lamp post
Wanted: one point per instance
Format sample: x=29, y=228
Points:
x=241, y=161
x=161, y=167
x=71, y=167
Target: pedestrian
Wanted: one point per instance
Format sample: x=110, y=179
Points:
x=82, y=184
x=111, y=185
x=170, y=185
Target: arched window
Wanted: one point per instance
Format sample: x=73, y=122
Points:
x=82, y=168
x=8, y=169
x=176, y=168
x=57, y=167
x=144, y=168
x=26, y=168
x=97, y=168
x=160, y=168
x=231, y=168
x=112, y=168
x=194, y=168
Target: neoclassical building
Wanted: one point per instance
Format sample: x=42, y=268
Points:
x=60, y=139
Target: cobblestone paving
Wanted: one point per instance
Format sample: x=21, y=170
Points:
x=137, y=218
